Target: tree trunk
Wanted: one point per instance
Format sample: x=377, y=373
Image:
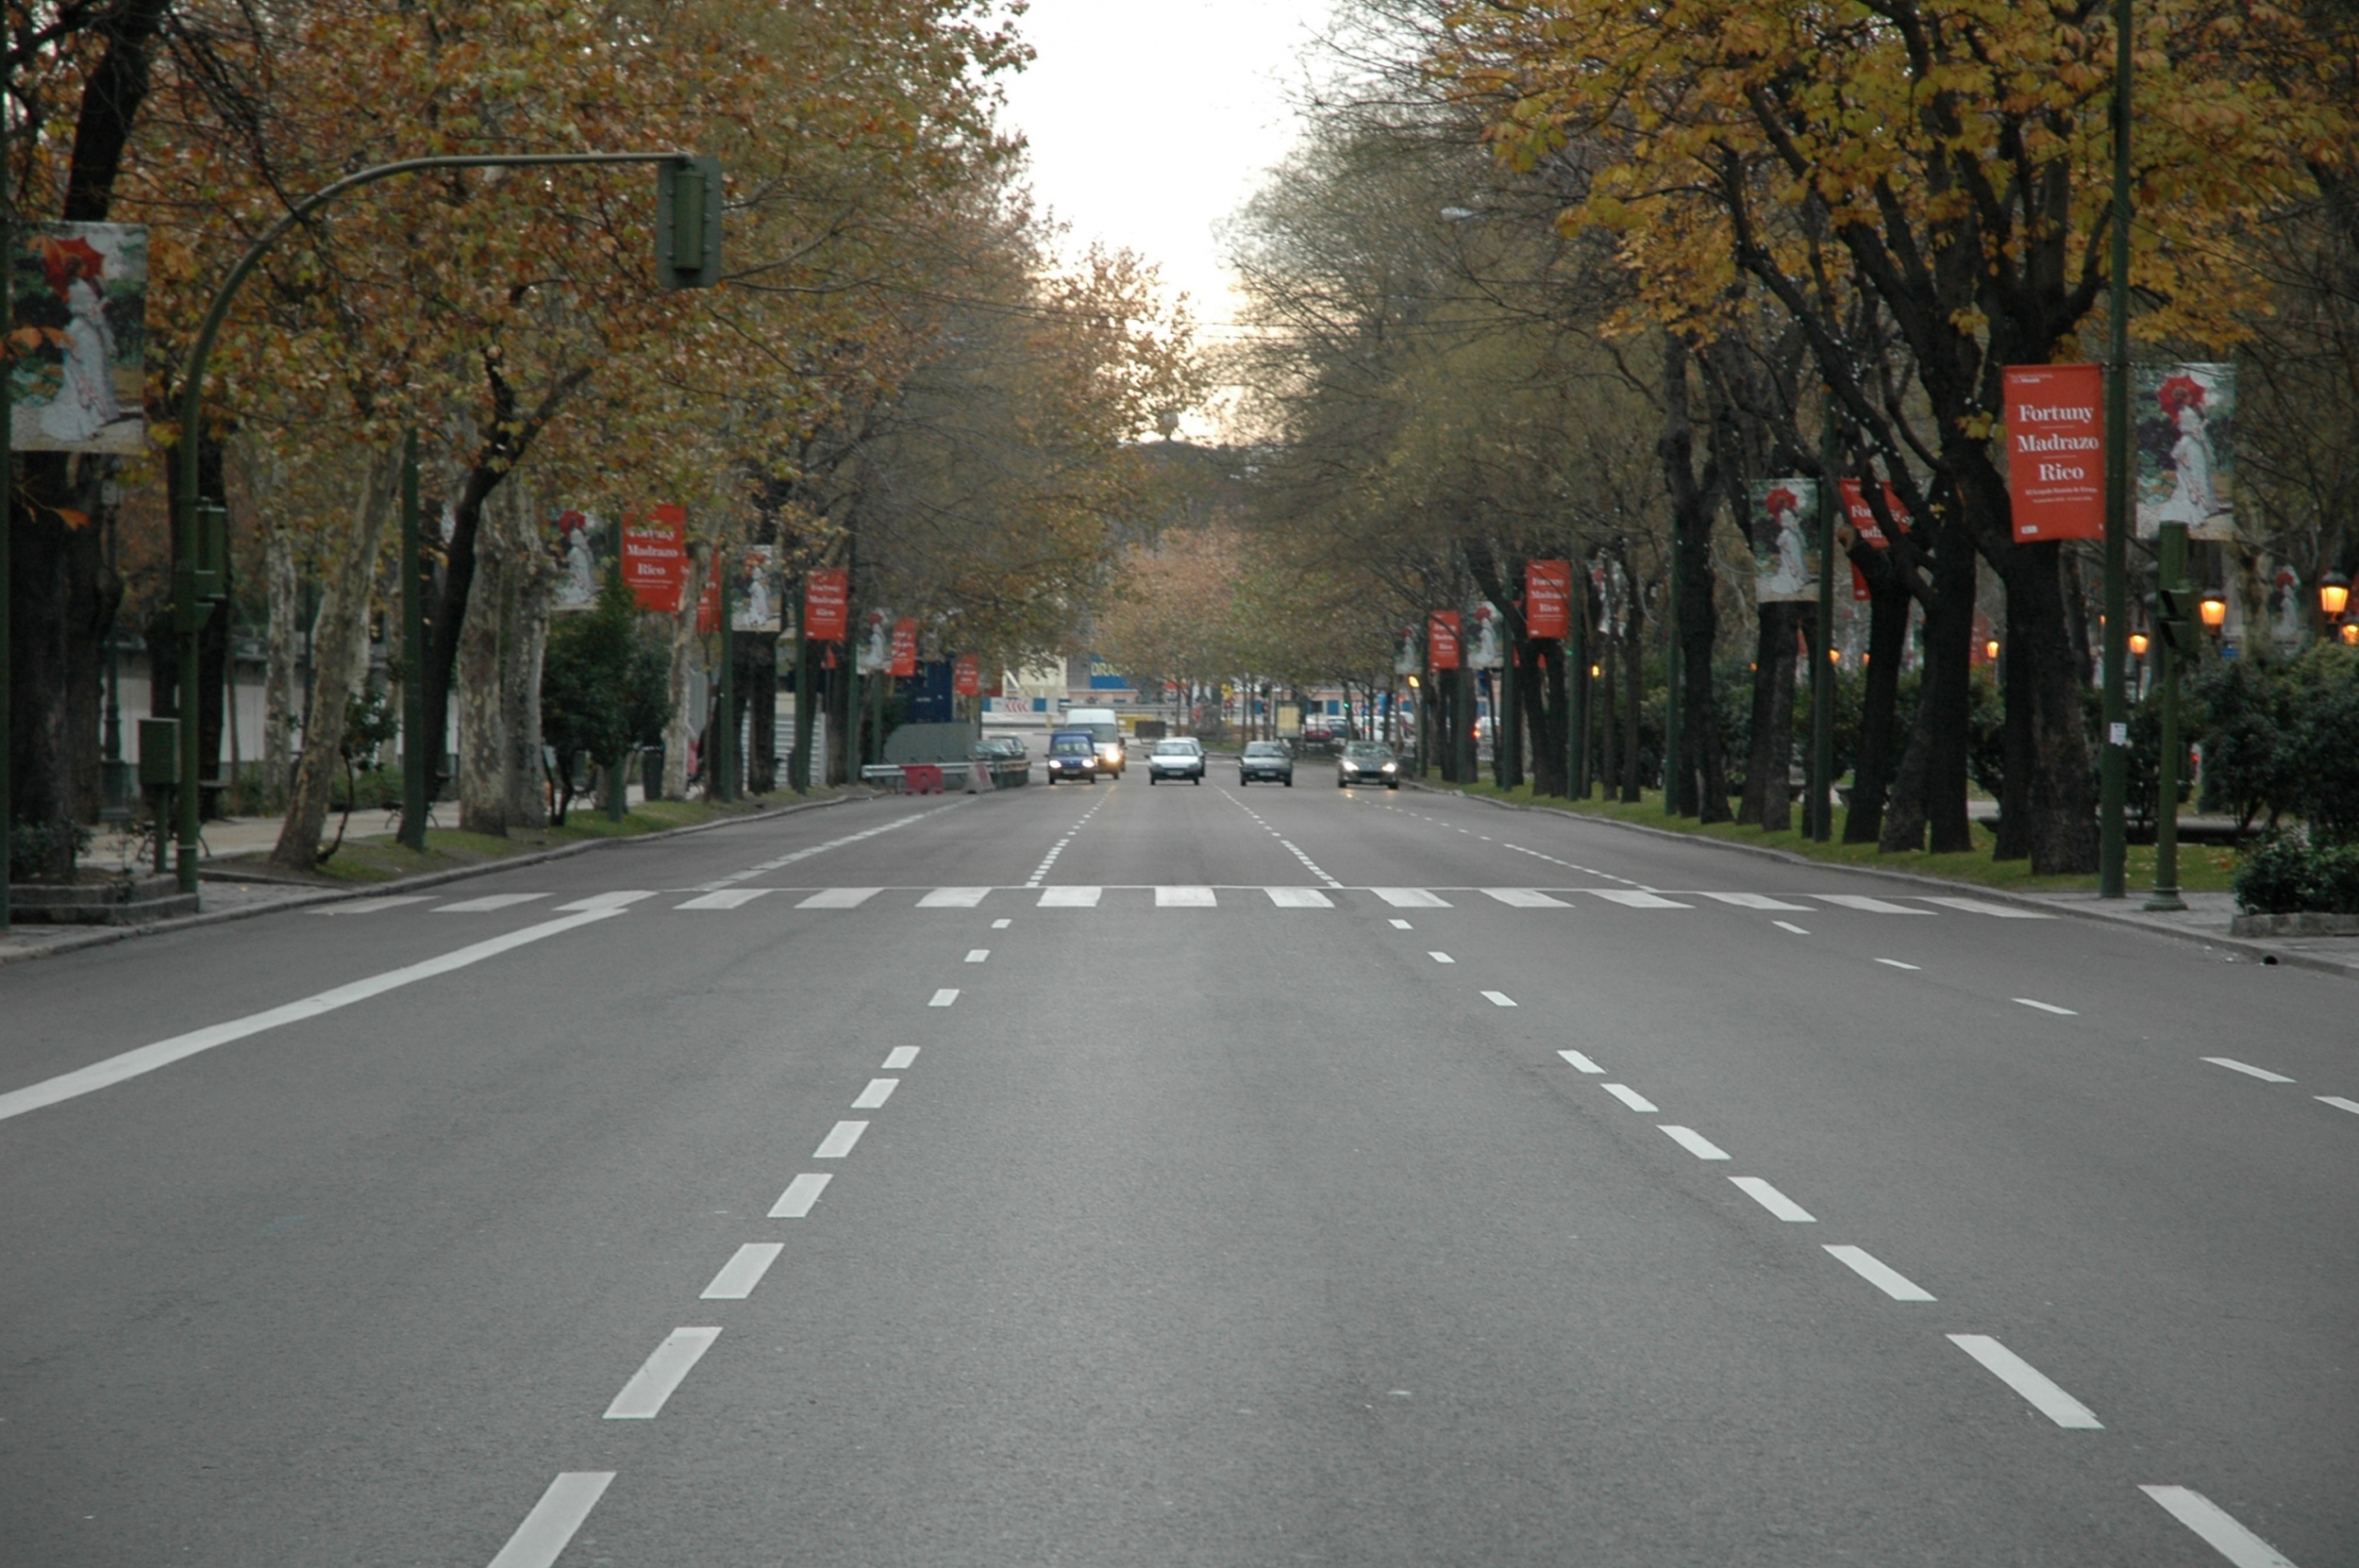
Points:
x=278, y=681
x=482, y=729
x=757, y=694
x=2015, y=785
x=339, y=659
x=1768, y=802
x=60, y=592
x=2061, y=835
x=1634, y=686
x=682, y=725
x=1887, y=642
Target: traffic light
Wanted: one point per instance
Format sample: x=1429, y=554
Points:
x=688, y=222
x=2176, y=618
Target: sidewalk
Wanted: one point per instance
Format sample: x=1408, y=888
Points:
x=2206, y=919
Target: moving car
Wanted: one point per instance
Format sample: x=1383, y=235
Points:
x=1267, y=760
x=1178, y=757
x=1367, y=762
x=1104, y=726
x=1073, y=754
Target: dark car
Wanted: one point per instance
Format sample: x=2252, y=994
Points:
x=1266, y=760
x=1073, y=754
x=1367, y=762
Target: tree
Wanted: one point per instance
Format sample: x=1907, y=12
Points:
x=602, y=690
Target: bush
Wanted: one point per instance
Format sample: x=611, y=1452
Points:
x=35, y=847
x=2290, y=876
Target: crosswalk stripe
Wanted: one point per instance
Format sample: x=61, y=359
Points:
x=728, y=898
x=953, y=898
x=1411, y=899
x=1300, y=898
x=1636, y=900
x=1185, y=898
x=1752, y=901
x=1070, y=898
x=1525, y=898
x=602, y=901
x=490, y=902
x=1861, y=901
x=1976, y=906
x=839, y=898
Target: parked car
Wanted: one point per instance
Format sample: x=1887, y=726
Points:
x=1367, y=762
x=1267, y=760
x=1177, y=758
x=1073, y=754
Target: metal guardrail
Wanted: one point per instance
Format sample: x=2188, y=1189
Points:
x=894, y=776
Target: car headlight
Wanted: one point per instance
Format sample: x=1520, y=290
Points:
x=1390, y=766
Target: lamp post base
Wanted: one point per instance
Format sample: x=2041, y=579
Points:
x=2164, y=900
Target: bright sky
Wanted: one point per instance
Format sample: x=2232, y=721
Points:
x=1151, y=120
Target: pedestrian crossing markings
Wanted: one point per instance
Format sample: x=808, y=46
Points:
x=1071, y=896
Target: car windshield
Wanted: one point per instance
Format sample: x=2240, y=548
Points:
x=1174, y=748
x=1265, y=748
x=1368, y=751
x=1069, y=746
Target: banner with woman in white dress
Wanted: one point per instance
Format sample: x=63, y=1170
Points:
x=78, y=338
x=2186, y=417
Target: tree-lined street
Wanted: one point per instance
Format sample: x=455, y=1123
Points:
x=1211, y=1177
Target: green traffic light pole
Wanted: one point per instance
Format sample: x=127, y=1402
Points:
x=2113, y=758
x=2173, y=597
x=193, y=603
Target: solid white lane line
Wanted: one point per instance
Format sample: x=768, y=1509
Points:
x=1752, y=901
x=876, y=1095
x=1979, y=906
x=1001, y=925
x=2047, y=1006
x=1441, y=958
x=1525, y=898
x=2339, y=1103
x=2247, y=1070
x=1695, y=1143
x=2029, y=1381
x=1885, y=1278
x=953, y=898
x=1631, y=1098
x=839, y=898
x=795, y=1203
x=1499, y=998
x=1070, y=898
x=1873, y=905
x=944, y=997
x=742, y=1272
x=1789, y=926
x=163, y=1053
x=1300, y=898
x=976, y=955
x=1581, y=1062
x=602, y=901
x=789, y=859
x=1638, y=900
x=2215, y=1528
x=1185, y=898
x=642, y=1397
x=1411, y=899
x=839, y=1141
x=1774, y=1201
x=731, y=898
x=1897, y=963
x=489, y=902
x=901, y=1056
x=1402, y=925
x=550, y=1527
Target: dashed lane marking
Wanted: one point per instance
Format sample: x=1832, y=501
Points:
x=1896, y=963
x=642, y=1397
x=1776, y=1202
x=2029, y=1381
x=549, y=1528
x=742, y=1272
x=1499, y=998
x=841, y=1140
x=1695, y=1143
x=2047, y=1006
x=876, y=1095
x=1879, y=1273
x=944, y=997
x=2217, y=1528
x=900, y=1057
x=1631, y=1098
x=1789, y=926
x=1581, y=1062
x=2247, y=1070
x=795, y=1203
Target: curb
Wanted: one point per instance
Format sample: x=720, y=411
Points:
x=2259, y=951
x=106, y=936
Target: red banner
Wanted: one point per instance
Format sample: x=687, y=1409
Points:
x=2056, y=450
x=708, y=602
x=1863, y=519
x=1441, y=640
x=827, y=604
x=904, y=647
x=1548, y=598
x=966, y=676
x=654, y=557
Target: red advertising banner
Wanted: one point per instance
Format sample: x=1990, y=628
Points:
x=966, y=676
x=827, y=604
x=654, y=557
x=1548, y=598
x=904, y=647
x=1441, y=640
x=2055, y=425
x=1862, y=520
x=708, y=602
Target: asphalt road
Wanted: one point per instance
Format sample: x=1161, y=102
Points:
x=1212, y=1177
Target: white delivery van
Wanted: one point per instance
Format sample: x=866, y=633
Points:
x=1105, y=727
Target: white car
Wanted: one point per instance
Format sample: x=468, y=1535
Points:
x=1178, y=757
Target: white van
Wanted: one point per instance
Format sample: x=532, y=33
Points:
x=1105, y=727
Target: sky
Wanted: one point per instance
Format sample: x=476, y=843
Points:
x=1151, y=120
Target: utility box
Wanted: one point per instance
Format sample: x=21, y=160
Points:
x=160, y=753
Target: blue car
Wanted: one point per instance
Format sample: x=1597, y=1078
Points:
x=1073, y=754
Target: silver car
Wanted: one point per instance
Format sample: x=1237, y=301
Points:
x=1367, y=762
x=1177, y=758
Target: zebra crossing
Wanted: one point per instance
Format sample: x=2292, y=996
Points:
x=1092, y=896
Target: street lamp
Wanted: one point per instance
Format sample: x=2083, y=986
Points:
x=2213, y=609
x=2333, y=594
x=2350, y=633
x=1990, y=650
x=2138, y=644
